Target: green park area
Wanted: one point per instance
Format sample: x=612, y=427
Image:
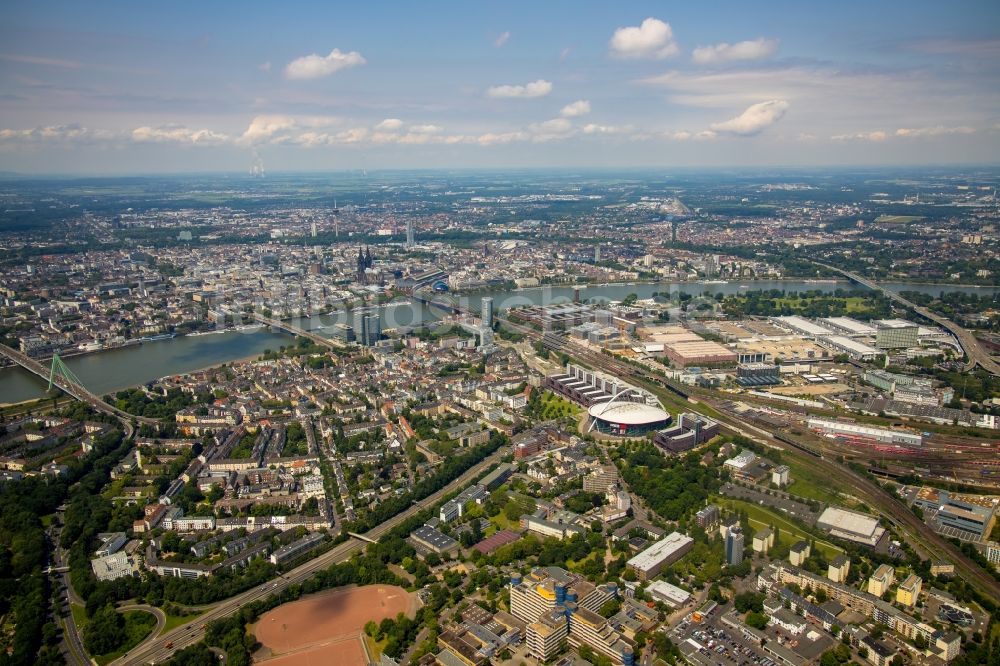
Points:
x=789, y=533
x=110, y=634
x=551, y=406
x=897, y=219
x=812, y=303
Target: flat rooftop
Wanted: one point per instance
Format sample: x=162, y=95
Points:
x=849, y=521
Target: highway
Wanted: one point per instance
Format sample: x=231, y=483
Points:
x=921, y=537
x=156, y=651
x=970, y=345
x=78, y=392
x=74, y=651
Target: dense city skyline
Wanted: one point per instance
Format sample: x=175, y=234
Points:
x=112, y=89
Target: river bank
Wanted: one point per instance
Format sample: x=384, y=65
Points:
x=113, y=370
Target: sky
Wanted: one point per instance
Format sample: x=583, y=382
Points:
x=136, y=88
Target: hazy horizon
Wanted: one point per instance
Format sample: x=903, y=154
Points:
x=117, y=88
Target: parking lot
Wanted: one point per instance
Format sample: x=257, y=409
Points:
x=780, y=502
x=709, y=644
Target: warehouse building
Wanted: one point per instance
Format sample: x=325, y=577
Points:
x=896, y=334
x=757, y=374
x=853, y=526
x=853, y=348
x=431, y=540
x=802, y=326
x=702, y=352
x=866, y=434
x=852, y=328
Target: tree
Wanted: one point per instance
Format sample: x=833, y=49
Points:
x=104, y=631
x=756, y=620
x=610, y=607
x=749, y=601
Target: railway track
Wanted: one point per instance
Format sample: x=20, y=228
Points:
x=922, y=538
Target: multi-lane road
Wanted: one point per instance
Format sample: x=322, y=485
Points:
x=156, y=651
x=973, y=350
x=74, y=651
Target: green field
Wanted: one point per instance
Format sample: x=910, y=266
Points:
x=851, y=303
x=554, y=407
x=174, y=621
x=809, y=483
x=790, y=533
x=897, y=219
x=502, y=522
x=79, y=615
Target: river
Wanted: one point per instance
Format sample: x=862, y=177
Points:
x=112, y=370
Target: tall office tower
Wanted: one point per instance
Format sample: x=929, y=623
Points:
x=360, y=332
x=373, y=329
x=597, y=254
x=734, y=547
x=314, y=230
x=409, y=233
x=486, y=312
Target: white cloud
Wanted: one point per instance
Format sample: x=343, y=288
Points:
x=876, y=136
x=354, y=135
x=539, y=88
x=69, y=134
x=389, y=125
x=594, y=128
x=576, y=109
x=501, y=39
x=74, y=134
x=756, y=118
x=565, y=53
x=426, y=129
x=178, y=134
x=937, y=130
x=316, y=139
x=753, y=49
x=265, y=66
x=490, y=138
x=314, y=66
x=830, y=100
x=280, y=128
x=653, y=38
x=554, y=126
x=262, y=128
